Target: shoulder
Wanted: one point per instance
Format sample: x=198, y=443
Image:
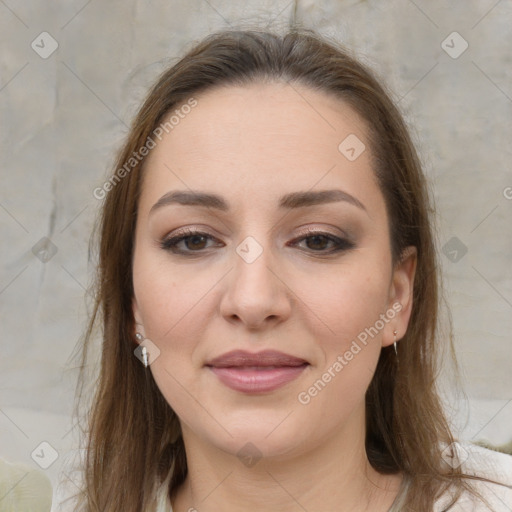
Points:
x=23, y=487
x=481, y=462
x=163, y=500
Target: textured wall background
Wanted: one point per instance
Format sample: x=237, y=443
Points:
x=64, y=112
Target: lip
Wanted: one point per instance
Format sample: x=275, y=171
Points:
x=243, y=358
x=256, y=372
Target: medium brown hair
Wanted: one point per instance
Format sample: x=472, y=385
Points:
x=133, y=435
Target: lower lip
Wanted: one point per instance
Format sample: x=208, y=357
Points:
x=257, y=381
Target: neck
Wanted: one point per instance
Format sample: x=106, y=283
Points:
x=335, y=475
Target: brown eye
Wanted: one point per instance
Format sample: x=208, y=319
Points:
x=193, y=241
x=190, y=242
x=319, y=242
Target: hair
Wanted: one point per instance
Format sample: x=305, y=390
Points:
x=134, y=441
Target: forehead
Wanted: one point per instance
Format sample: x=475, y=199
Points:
x=266, y=137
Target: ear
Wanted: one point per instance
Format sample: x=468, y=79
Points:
x=138, y=326
x=401, y=295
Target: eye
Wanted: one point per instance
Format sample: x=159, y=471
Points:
x=194, y=241
x=317, y=241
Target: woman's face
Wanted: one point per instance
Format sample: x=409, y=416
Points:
x=275, y=266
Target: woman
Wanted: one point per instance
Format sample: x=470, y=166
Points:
x=268, y=292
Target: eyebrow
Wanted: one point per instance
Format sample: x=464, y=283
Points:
x=292, y=200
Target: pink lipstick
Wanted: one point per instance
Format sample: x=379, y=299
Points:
x=259, y=372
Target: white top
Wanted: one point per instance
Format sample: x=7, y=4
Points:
x=474, y=460
x=23, y=487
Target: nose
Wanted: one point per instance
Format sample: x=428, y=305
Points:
x=256, y=293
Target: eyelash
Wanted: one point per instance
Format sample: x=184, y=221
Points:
x=170, y=243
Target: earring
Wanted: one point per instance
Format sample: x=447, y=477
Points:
x=394, y=345
x=144, y=351
x=145, y=357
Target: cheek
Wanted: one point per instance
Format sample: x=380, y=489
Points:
x=349, y=338
x=348, y=299
x=173, y=305
x=170, y=299
x=349, y=303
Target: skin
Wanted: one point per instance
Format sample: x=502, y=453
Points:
x=252, y=145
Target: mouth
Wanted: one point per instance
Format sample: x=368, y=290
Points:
x=256, y=372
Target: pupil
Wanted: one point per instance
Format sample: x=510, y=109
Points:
x=194, y=239
x=317, y=238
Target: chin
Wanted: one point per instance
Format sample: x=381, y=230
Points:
x=252, y=436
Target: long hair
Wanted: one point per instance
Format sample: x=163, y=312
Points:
x=133, y=436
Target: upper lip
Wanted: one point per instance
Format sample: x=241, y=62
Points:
x=237, y=358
